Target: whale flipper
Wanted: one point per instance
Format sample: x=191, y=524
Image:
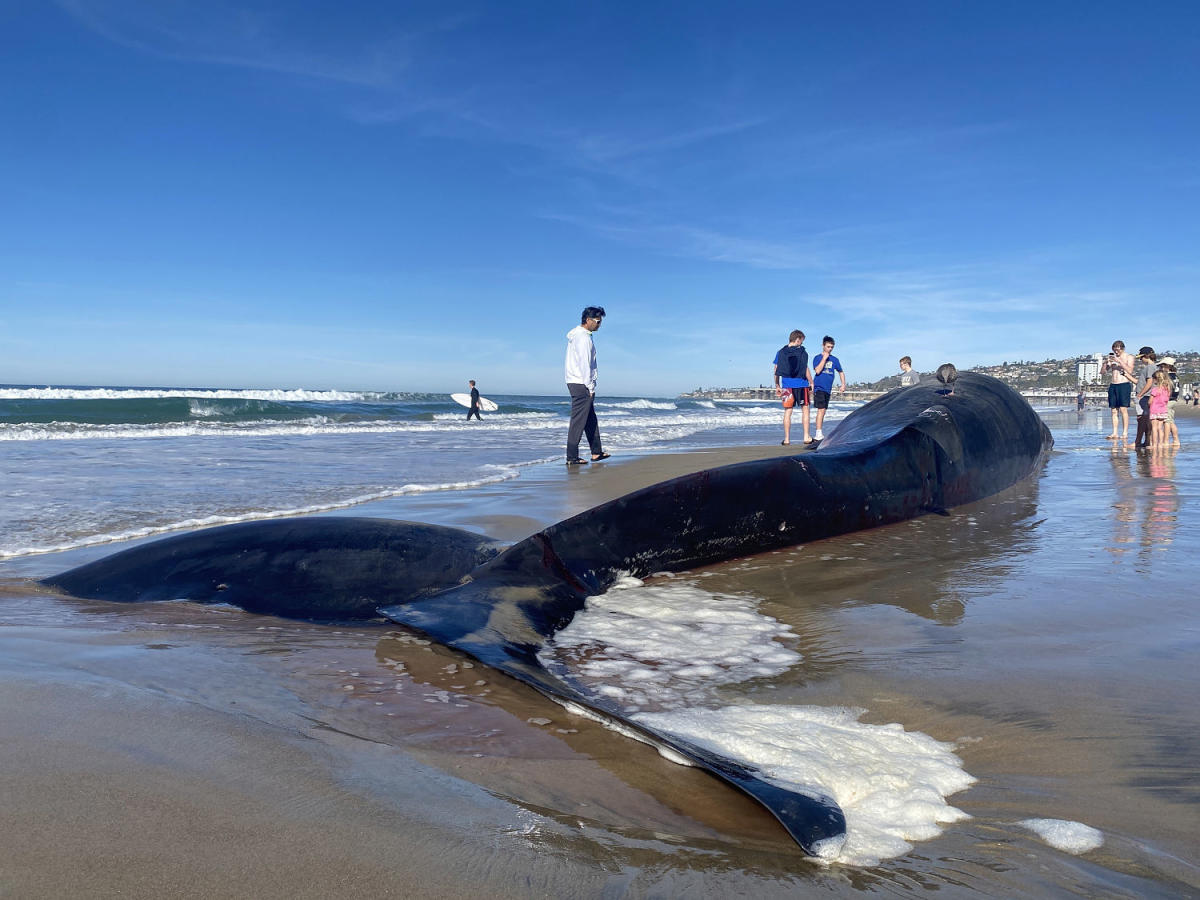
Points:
x=329, y=568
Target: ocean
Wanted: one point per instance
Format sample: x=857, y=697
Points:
x=1002, y=699
x=92, y=465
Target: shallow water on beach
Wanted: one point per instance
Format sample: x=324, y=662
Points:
x=1048, y=633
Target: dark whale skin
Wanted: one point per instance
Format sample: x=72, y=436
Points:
x=907, y=453
x=326, y=568
x=910, y=452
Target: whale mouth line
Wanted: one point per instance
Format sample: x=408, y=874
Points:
x=907, y=453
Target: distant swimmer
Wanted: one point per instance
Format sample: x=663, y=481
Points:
x=907, y=376
x=947, y=374
x=580, y=369
x=793, y=383
x=824, y=367
x=474, y=409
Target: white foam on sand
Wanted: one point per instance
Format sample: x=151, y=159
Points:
x=663, y=652
x=1070, y=837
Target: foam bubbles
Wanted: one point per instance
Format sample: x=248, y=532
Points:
x=666, y=646
x=1070, y=837
x=890, y=783
x=663, y=652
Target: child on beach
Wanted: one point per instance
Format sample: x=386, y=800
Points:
x=792, y=384
x=1160, y=392
x=823, y=368
x=1167, y=364
x=907, y=376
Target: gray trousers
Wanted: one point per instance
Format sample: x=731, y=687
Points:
x=583, y=421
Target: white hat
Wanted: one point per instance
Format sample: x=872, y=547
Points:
x=1167, y=361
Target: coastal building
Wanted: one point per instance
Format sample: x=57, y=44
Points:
x=1087, y=371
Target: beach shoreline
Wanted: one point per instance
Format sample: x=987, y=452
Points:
x=124, y=781
x=201, y=751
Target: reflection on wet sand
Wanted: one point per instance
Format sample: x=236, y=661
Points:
x=930, y=566
x=1146, y=508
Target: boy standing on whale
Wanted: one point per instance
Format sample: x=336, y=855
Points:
x=824, y=367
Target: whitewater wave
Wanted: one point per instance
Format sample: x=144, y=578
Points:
x=642, y=430
x=499, y=473
x=637, y=404
x=274, y=395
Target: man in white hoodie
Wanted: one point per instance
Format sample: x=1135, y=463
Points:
x=581, y=382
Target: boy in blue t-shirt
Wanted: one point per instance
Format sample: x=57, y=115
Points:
x=823, y=368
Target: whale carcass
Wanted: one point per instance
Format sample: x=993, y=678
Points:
x=910, y=452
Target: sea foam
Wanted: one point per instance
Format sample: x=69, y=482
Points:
x=1070, y=837
x=663, y=652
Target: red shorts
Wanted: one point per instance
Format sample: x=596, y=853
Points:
x=796, y=396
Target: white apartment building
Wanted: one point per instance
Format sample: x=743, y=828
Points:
x=1087, y=371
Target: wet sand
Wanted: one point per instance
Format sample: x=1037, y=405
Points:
x=166, y=749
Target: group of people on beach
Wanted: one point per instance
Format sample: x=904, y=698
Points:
x=799, y=384
x=1150, y=382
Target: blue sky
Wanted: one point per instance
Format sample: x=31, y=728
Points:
x=401, y=196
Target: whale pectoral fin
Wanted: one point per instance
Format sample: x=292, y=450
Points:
x=325, y=568
x=505, y=625
x=812, y=818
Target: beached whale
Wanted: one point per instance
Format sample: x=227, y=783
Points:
x=910, y=452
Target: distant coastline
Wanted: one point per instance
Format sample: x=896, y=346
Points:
x=1049, y=379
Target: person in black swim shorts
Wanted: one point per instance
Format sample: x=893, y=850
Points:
x=1121, y=366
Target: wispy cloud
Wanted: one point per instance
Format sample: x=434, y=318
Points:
x=608, y=147
x=698, y=242
x=217, y=34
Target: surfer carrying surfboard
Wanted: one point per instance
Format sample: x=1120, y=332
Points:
x=474, y=408
x=580, y=369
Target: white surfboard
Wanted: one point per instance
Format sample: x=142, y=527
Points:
x=465, y=400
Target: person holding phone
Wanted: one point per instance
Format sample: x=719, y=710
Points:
x=1120, y=365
